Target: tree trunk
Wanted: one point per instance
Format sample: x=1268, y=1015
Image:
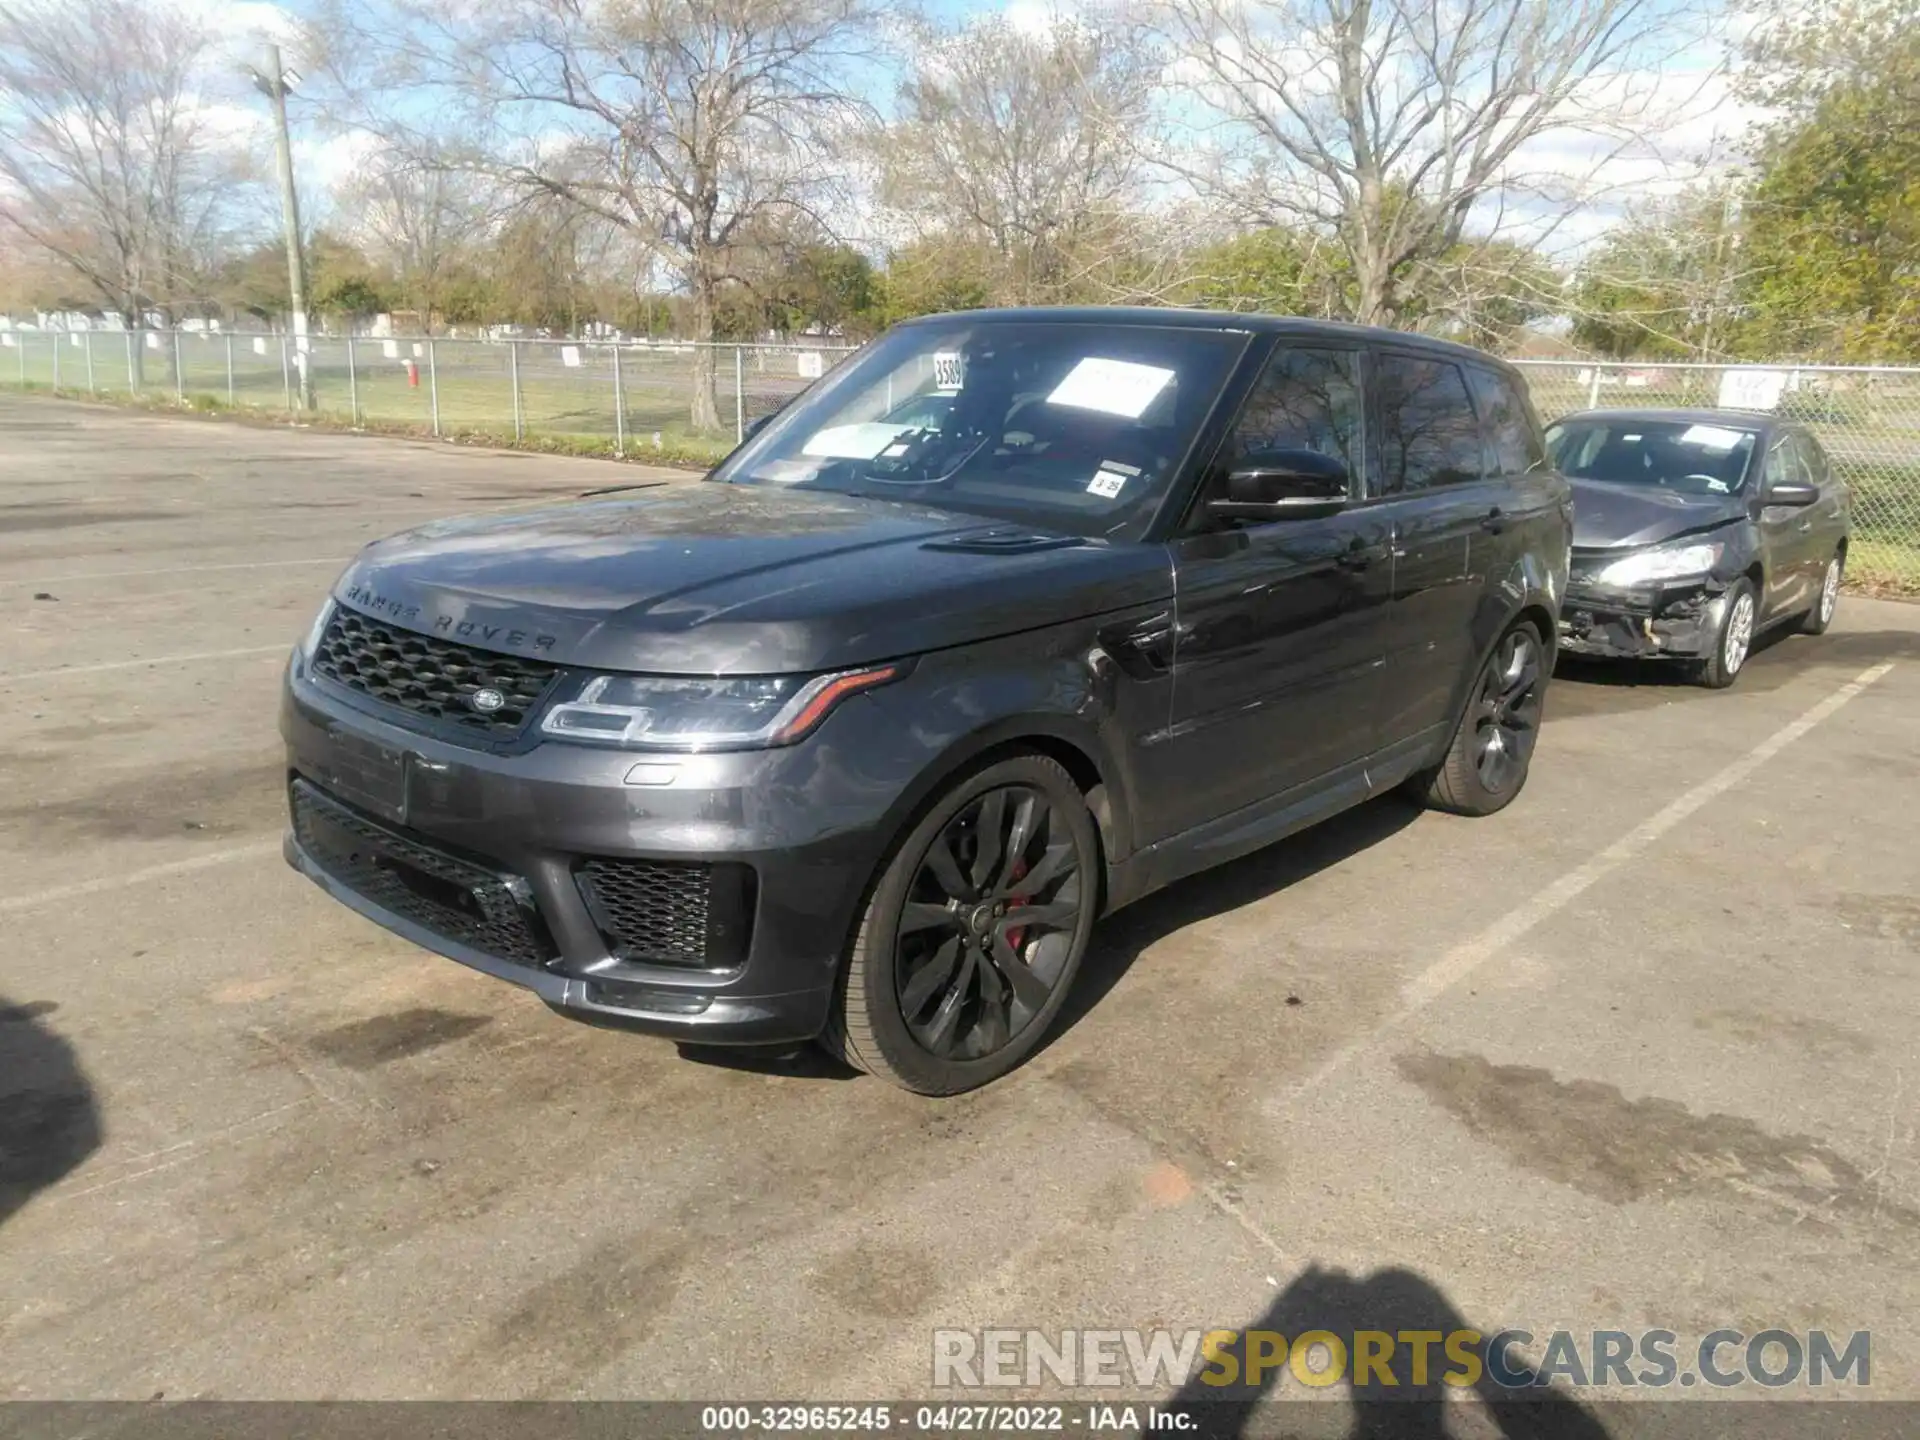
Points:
x=705, y=418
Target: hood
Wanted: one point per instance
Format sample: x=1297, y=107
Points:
x=1606, y=515
x=717, y=579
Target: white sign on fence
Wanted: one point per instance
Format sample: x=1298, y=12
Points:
x=390, y=349
x=418, y=349
x=259, y=344
x=812, y=365
x=7, y=341
x=570, y=356
x=76, y=341
x=153, y=340
x=1752, y=389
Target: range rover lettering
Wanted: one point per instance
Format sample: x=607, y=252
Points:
x=1009, y=621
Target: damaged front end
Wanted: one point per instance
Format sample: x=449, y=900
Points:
x=1680, y=618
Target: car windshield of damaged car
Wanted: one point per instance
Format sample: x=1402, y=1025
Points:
x=1072, y=427
x=1676, y=455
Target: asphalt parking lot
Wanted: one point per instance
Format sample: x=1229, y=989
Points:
x=1639, y=1052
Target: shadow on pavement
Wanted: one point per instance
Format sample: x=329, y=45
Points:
x=1391, y=1302
x=49, y=1122
x=1584, y=685
x=1119, y=939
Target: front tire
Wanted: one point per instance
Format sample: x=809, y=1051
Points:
x=974, y=931
x=1486, y=765
x=1735, y=641
x=1816, y=620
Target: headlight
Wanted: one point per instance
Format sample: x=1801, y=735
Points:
x=315, y=631
x=1669, y=564
x=667, y=712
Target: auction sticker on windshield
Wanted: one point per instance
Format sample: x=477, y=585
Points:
x=949, y=369
x=1110, y=479
x=1113, y=387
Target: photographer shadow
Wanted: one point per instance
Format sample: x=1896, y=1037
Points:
x=1391, y=1301
x=49, y=1121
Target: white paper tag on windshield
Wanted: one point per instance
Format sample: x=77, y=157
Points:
x=949, y=369
x=1711, y=437
x=1113, y=387
x=1110, y=479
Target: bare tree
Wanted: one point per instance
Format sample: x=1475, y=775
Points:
x=1023, y=142
x=683, y=122
x=421, y=218
x=107, y=162
x=1389, y=123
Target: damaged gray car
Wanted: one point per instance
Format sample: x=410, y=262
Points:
x=1694, y=531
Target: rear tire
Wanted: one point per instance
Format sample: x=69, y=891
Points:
x=948, y=984
x=1816, y=620
x=1734, y=642
x=1486, y=763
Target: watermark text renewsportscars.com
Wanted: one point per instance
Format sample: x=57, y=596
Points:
x=1229, y=1360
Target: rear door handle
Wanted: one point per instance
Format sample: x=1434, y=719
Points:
x=1357, y=556
x=1494, y=521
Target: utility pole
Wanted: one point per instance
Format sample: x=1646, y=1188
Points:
x=274, y=84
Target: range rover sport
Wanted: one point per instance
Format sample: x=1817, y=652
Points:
x=1012, y=619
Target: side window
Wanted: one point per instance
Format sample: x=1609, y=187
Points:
x=1811, y=461
x=1514, y=445
x=1782, y=464
x=1305, y=400
x=1429, y=434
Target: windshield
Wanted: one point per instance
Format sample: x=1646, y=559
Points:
x=1071, y=426
x=1695, y=459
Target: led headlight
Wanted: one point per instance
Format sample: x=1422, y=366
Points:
x=671, y=712
x=311, y=641
x=1671, y=563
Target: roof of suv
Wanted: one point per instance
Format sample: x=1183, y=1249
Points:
x=1755, y=420
x=1259, y=324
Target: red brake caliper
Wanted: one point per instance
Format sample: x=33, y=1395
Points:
x=1017, y=933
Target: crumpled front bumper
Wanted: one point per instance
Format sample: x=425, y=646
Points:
x=1678, y=621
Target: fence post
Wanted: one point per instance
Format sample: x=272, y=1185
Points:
x=619, y=405
x=231, y=402
x=286, y=378
x=20, y=341
x=133, y=356
x=433, y=387
x=179, y=375
x=739, y=398
x=513, y=379
x=91, y=390
x=56, y=360
x=353, y=387
x=1593, y=387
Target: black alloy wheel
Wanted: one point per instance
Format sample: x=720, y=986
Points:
x=1506, y=716
x=989, y=921
x=973, y=932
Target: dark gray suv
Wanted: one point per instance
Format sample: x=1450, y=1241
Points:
x=1010, y=620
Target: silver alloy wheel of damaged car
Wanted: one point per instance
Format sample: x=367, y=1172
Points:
x=1816, y=620
x=1735, y=640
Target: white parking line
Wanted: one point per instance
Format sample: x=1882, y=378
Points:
x=11, y=903
x=171, y=570
x=1470, y=954
x=281, y=649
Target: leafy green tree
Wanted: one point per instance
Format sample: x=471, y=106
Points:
x=1833, y=223
x=1667, y=283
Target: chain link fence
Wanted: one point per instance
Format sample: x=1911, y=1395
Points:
x=636, y=397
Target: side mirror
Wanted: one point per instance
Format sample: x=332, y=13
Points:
x=1796, y=493
x=755, y=426
x=1271, y=485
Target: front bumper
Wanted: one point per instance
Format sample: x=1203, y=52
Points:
x=428, y=819
x=1660, y=621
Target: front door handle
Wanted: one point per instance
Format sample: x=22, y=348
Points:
x=1494, y=521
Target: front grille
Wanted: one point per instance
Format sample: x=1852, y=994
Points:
x=670, y=912
x=459, y=899
x=433, y=678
